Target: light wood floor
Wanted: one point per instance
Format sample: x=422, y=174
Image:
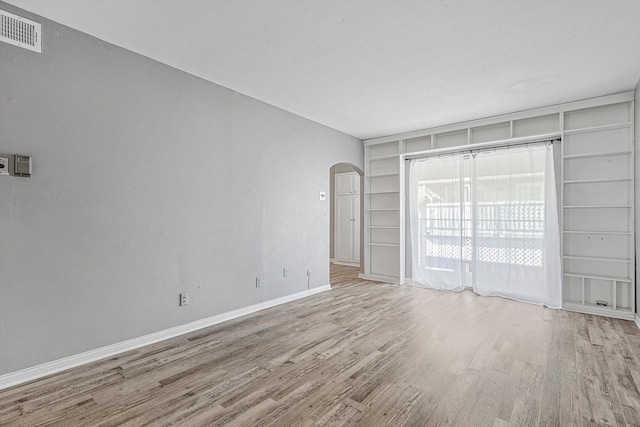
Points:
x=364, y=354
x=343, y=275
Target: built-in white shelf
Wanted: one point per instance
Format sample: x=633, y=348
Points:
x=597, y=141
x=377, y=175
x=382, y=192
x=597, y=206
x=596, y=155
x=597, y=192
x=589, y=308
x=595, y=258
x=594, y=181
x=613, y=233
x=607, y=295
x=600, y=128
x=384, y=207
x=389, y=156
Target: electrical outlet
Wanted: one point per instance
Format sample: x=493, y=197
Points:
x=184, y=299
x=258, y=282
x=285, y=272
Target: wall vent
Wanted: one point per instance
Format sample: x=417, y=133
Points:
x=20, y=31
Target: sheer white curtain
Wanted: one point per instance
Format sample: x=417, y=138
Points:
x=437, y=214
x=489, y=221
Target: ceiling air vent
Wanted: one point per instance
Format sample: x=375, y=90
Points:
x=20, y=31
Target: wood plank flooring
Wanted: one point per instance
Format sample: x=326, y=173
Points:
x=363, y=354
x=344, y=275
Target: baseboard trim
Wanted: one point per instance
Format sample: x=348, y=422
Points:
x=378, y=278
x=638, y=320
x=349, y=264
x=29, y=374
x=597, y=311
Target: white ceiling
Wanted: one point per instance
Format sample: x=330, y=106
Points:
x=373, y=68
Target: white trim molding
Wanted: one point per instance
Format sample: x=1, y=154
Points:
x=349, y=264
x=379, y=278
x=597, y=311
x=638, y=320
x=29, y=374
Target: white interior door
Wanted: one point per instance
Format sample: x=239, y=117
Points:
x=344, y=234
x=344, y=183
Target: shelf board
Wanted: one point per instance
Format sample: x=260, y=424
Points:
x=616, y=233
x=385, y=157
x=380, y=277
x=590, y=258
x=410, y=155
x=596, y=206
x=382, y=192
x=391, y=227
x=393, y=245
x=599, y=277
x=377, y=175
x=593, y=155
x=381, y=209
x=593, y=181
x=598, y=128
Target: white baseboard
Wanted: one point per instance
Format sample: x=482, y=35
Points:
x=378, y=278
x=638, y=320
x=598, y=311
x=39, y=371
x=350, y=264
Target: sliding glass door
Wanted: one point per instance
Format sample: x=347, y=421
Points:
x=487, y=220
x=440, y=189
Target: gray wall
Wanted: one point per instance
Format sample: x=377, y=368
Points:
x=147, y=182
x=637, y=186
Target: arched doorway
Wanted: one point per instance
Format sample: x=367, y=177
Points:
x=346, y=222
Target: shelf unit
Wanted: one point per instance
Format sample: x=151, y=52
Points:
x=598, y=210
x=384, y=213
x=596, y=165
